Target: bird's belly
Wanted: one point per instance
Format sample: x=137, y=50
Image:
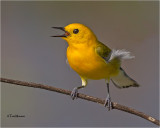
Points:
x=92, y=67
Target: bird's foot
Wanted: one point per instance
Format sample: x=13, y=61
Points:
x=108, y=103
x=74, y=93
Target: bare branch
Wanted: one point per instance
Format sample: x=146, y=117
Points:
x=82, y=96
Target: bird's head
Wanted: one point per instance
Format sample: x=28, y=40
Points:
x=76, y=34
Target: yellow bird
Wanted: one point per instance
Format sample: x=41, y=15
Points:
x=91, y=59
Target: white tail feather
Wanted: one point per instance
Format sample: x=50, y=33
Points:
x=122, y=80
x=121, y=54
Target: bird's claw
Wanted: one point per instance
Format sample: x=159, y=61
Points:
x=108, y=103
x=74, y=93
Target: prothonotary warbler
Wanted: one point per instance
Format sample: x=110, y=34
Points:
x=91, y=59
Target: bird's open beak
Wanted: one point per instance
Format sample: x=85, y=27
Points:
x=64, y=35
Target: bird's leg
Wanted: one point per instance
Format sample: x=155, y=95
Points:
x=108, y=102
x=75, y=90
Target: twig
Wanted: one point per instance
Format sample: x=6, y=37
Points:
x=82, y=96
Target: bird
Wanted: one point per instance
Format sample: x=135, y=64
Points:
x=93, y=60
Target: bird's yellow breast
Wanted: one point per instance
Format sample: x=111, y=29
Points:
x=88, y=64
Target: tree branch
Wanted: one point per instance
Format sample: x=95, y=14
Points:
x=82, y=96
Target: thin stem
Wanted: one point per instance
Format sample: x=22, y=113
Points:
x=82, y=96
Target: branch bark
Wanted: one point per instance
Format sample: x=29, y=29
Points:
x=82, y=96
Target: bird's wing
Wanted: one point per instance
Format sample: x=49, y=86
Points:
x=122, y=80
x=103, y=51
x=108, y=55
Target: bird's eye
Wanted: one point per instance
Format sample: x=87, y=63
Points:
x=75, y=31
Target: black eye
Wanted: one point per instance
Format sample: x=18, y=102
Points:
x=75, y=31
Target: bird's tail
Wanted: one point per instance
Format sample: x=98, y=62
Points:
x=123, y=80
